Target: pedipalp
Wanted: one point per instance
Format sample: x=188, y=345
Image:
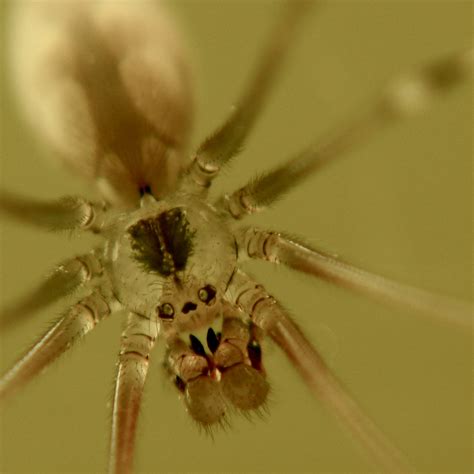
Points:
x=228, y=376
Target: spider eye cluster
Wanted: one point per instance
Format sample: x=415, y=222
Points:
x=166, y=311
x=207, y=294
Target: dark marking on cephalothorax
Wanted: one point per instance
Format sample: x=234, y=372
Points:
x=178, y=235
x=163, y=243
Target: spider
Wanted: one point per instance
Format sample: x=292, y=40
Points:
x=308, y=308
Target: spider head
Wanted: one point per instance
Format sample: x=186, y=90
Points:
x=188, y=304
x=173, y=262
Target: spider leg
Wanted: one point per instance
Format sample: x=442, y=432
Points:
x=138, y=339
x=226, y=141
x=66, y=277
x=79, y=320
x=402, y=98
x=268, y=315
x=276, y=248
x=67, y=213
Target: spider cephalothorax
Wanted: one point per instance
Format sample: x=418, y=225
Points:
x=169, y=244
x=173, y=262
x=171, y=256
x=155, y=260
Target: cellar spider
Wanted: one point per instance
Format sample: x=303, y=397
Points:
x=412, y=377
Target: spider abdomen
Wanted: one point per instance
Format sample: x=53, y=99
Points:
x=107, y=87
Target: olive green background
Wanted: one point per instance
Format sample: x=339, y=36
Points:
x=399, y=206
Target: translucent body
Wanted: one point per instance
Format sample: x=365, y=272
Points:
x=132, y=132
x=143, y=353
x=211, y=262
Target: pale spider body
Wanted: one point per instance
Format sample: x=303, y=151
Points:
x=132, y=280
x=130, y=270
x=136, y=128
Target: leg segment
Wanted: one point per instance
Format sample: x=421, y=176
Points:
x=227, y=140
x=138, y=340
x=67, y=277
x=78, y=321
x=68, y=213
x=268, y=315
x=276, y=248
x=401, y=99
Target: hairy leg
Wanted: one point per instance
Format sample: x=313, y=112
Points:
x=402, y=98
x=68, y=213
x=65, y=278
x=225, y=142
x=276, y=248
x=79, y=320
x=268, y=315
x=138, y=340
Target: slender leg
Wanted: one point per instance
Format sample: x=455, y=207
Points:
x=225, y=142
x=276, y=248
x=67, y=277
x=268, y=315
x=79, y=320
x=68, y=213
x=403, y=98
x=138, y=340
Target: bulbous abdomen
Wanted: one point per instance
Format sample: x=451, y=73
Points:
x=107, y=86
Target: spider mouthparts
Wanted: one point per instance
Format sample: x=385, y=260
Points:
x=212, y=340
x=230, y=374
x=255, y=355
x=196, y=345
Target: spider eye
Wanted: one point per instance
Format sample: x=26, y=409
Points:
x=166, y=311
x=207, y=294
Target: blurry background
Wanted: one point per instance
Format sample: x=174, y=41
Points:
x=399, y=207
